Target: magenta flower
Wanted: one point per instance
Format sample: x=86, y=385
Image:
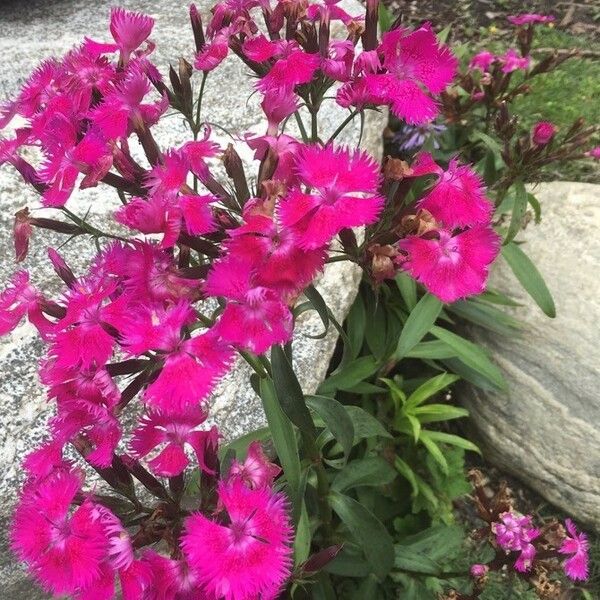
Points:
x=451, y=266
x=129, y=30
x=530, y=19
x=343, y=187
x=256, y=471
x=514, y=533
x=542, y=133
x=458, y=198
x=64, y=550
x=478, y=570
x=416, y=67
x=292, y=67
x=482, y=61
x=511, y=61
x=173, y=433
x=249, y=554
x=576, y=544
x=255, y=317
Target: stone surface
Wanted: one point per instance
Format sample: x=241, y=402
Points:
x=546, y=430
x=33, y=30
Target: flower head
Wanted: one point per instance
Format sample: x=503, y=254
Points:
x=530, y=19
x=129, y=30
x=247, y=556
x=543, y=132
x=577, y=546
x=256, y=471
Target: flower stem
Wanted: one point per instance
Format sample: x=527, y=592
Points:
x=343, y=124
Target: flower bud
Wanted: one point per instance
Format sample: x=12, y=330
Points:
x=479, y=570
x=542, y=133
x=22, y=232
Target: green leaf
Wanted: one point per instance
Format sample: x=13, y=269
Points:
x=386, y=18
x=319, y=305
x=537, y=209
x=472, y=355
x=431, y=350
x=355, y=327
x=430, y=388
x=367, y=531
x=435, y=451
x=408, y=289
x=407, y=559
x=302, y=537
x=373, y=471
x=433, y=413
x=442, y=36
x=485, y=316
x=350, y=375
x=240, y=445
x=405, y=470
x=284, y=437
x=489, y=142
x=368, y=590
x=419, y=322
x=346, y=564
x=336, y=418
x=453, y=440
x=289, y=392
x=529, y=277
x=415, y=425
x=518, y=211
x=365, y=425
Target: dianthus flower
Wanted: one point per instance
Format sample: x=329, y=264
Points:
x=482, y=61
x=256, y=471
x=577, y=546
x=511, y=61
x=343, y=186
x=247, y=556
x=543, y=132
x=515, y=533
x=530, y=18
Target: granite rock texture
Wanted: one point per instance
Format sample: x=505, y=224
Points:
x=546, y=430
x=31, y=31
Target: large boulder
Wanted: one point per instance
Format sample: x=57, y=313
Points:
x=33, y=30
x=546, y=429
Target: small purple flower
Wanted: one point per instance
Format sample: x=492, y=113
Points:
x=479, y=570
x=412, y=137
x=514, y=533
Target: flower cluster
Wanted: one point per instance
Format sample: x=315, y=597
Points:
x=533, y=553
x=210, y=270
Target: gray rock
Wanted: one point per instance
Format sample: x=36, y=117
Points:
x=546, y=429
x=32, y=31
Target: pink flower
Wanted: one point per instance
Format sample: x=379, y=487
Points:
x=334, y=177
x=338, y=63
x=277, y=104
x=514, y=533
x=249, y=557
x=577, y=545
x=458, y=198
x=482, y=61
x=173, y=433
x=255, y=317
x=451, y=266
x=64, y=550
x=479, y=570
x=256, y=471
x=20, y=298
x=293, y=67
x=530, y=18
x=213, y=53
x=542, y=133
x=413, y=60
x=513, y=61
x=129, y=30
x=191, y=369
x=594, y=153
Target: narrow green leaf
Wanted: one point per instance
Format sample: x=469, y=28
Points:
x=240, y=445
x=430, y=388
x=432, y=413
x=431, y=350
x=302, y=537
x=336, y=419
x=284, y=436
x=408, y=289
x=289, y=392
x=415, y=425
x=518, y=212
x=319, y=305
x=433, y=449
x=372, y=471
x=369, y=589
x=365, y=425
x=386, y=18
x=472, y=355
x=355, y=327
x=529, y=277
x=367, y=531
x=406, y=472
x=537, y=209
x=419, y=322
x=453, y=440
x=486, y=316
x=350, y=375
